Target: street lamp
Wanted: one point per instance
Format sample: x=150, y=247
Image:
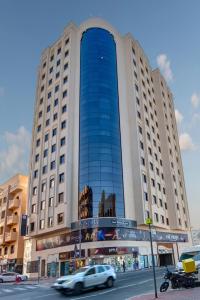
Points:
x=39, y=257
x=149, y=223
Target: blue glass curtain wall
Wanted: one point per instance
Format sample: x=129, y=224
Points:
x=100, y=163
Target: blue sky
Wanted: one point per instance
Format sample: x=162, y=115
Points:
x=162, y=27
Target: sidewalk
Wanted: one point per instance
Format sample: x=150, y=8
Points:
x=184, y=294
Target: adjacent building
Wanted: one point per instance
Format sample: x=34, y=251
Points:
x=105, y=156
x=13, y=200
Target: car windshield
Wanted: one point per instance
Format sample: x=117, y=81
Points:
x=194, y=255
x=81, y=270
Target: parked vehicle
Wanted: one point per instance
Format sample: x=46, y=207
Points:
x=190, y=252
x=178, y=280
x=86, y=278
x=11, y=277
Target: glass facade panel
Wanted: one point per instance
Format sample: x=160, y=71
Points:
x=100, y=163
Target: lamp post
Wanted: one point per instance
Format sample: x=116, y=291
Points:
x=149, y=223
x=39, y=257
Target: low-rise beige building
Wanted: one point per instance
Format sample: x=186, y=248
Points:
x=13, y=199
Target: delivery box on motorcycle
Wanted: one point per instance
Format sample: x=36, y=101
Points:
x=189, y=265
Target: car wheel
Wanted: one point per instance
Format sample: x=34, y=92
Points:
x=109, y=282
x=1, y=280
x=78, y=288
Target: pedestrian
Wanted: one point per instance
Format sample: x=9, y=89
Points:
x=124, y=266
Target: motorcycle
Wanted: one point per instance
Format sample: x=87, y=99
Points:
x=178, y=280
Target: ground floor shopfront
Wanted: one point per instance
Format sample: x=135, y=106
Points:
x=11, y=265
x=61, y=254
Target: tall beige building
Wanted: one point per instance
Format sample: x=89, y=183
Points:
x=13, y=200
x=105, y=156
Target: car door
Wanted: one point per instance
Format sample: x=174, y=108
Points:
x=90, y=277
x=101, y=274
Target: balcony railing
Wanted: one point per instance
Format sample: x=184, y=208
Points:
x=10, y=236
x=14, y=203
x=12, y=220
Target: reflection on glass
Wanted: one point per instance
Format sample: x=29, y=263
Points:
x=100, y=164
x=107, y=205
x=85, y=203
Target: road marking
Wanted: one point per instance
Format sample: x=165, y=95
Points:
x=19, y=288
x=47, y=295
x=6, y=290
x=31, y=287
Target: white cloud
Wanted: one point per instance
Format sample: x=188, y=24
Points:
x=164, y=64
x=185, y=142
x=14, y=157
x=195, y=100
x=195, y=118
x=179, y=116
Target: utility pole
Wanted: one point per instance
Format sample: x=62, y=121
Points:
x=149, y=222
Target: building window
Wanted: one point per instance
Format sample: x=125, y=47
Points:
x=44, y=170
x=50, y=81
x=52, y=183
x=55, y=116
x=45, y=153
x=51, y=70
x=48, y=108
x=54, y=131
x=34, y=190
x=62, y=142
x=46, y=137
x=38, y=143
x=136, y=87
x=64, y=93
x=66, y=53
x=35, y=174
x=63, y=124
x=61, y=177
x=162, y=219
x=56, y=88
x=58, y=63
x=12, y=249
x=144, y=178
x=62, y=159
x=167, y=221
x=41, y=224
x=6, y=250
x=47, y=122
x=44, y=187
x=65, y=66
x=67, y=41
x=65, y=79
x=39, y=128
x=53, y=148
x=37, y=158
x=49, y=95
x=33, y=208
x=42, y=205
x=141, y=145
x=153, y=182
x=52, y=57
x=40, y=114
x=161, y=203
x=154, y=199
x=156, y=217
x=59, y=51
x=146, y=196
x=50, y=204
x=50, y=221
x=57, y=74
x=60, y=218
x=41, y=101
x=60, y=197
x=64, y=108
x=179, y=221
x=165, y=205
x=56, y=102
x=53, y=165
x=32, y=226
x=140, y=129
x=143, y=161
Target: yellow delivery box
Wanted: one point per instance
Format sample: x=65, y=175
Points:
x=189, y=265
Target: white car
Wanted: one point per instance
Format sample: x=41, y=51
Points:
x=86, y=278
x=11, y=277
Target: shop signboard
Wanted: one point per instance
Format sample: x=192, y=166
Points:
x=107, y=234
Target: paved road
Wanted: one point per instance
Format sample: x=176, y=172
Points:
x=126, y=286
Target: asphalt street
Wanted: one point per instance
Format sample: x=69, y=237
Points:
x=127, y=285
